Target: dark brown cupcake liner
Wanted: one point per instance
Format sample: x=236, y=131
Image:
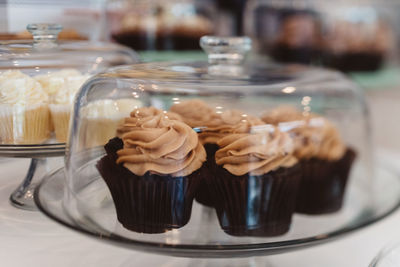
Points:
x=149, y=203
x=256, y=205
x=204, y=194
x=323, y=184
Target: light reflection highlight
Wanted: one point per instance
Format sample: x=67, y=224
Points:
x=288, y=90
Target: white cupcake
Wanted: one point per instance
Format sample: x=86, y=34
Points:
x=102, y=118
x=24, y=111
x=62, y=87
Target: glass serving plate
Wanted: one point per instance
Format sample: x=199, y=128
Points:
x=32, y=151
x=202, y=236
x=388, y=257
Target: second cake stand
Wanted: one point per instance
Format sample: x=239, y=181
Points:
x=22, y=197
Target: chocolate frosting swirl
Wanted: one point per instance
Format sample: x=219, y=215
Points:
x=154, y=143
x=314, y=136
x=256, y=153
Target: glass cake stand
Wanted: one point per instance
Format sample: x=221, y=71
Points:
x=22, y=197
x=203, y=238
x=387, y=257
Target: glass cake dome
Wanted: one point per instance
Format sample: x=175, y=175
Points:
x=39, y=79
x=219, y=153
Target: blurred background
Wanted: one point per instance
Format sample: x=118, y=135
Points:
x=358, y=37
x=353, y=36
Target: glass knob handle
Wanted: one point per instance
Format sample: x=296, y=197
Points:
x=44, y=35
x=225, y=50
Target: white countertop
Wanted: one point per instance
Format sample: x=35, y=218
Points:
x=31, y=239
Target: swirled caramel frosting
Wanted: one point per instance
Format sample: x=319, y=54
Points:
x=256, y=153
x=140, y=114
x=214, y=124
x=229, y=122
x=314, y=136
x=155, y=143
x=196, y=113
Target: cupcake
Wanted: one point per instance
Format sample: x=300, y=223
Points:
x=357, y=46
x=298, y=39
x=152, y=172
x=24, y=111
x=256, y=183
x=325, y=160
x=101, y=119
x=212, y=125
x=61, y=87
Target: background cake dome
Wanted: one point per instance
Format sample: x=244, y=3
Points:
x=39, y=78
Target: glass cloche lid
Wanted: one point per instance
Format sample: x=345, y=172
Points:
x=46, y=53
x=226, y=66
x=278, y=152
x=39, y=80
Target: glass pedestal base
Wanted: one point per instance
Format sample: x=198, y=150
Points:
x=202, y=237
x=22, y=197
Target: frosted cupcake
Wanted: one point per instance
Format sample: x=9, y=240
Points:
x=256, y=183
x=24, y=111
x=101, y=120
x=152, y=172
x=62, y=87
x=212, y=125
x=324, y=159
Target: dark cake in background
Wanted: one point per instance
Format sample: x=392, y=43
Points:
x=162, y=30
x=311, y=36
x=298, y=40
x=289, y=35
x=357, y=46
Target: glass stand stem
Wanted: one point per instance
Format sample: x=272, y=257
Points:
x=22, y=197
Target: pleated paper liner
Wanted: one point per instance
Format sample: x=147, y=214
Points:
x=24, y=124
x=203, y=194
x=256, y=205
x=60, y=115
x=323, y=184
